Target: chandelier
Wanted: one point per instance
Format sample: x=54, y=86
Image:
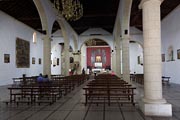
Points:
x=72, y=10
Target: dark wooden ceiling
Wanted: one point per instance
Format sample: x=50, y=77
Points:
x=97, y=13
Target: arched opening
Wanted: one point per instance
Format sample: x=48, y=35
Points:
x=96, y=56
x=56, y=49
x=55, y=27
x=136, y=58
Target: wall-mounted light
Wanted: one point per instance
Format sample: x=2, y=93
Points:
x=34, y=37
x=125, y=32
x=54, y=61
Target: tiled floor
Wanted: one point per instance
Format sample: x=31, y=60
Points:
x=71, y=107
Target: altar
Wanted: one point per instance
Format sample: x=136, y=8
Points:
x=98, y=58
x=98, y=67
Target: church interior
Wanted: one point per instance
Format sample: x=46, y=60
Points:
x=89, y=59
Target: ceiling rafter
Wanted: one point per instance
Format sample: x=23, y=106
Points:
x=97, y=13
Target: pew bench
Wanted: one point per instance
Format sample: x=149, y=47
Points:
x=109, y=95
x=165, y=80
x=31, y=95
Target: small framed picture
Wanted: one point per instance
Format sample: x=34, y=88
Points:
x=39, y=61
x=57, y=61
x=138, y=60
x=163, y=57
x=71, y=60
x=178, y=54
x=6, y=58
x=33, y=60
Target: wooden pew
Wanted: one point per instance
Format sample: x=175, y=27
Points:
x=165, y=80
x=97, y=95
x=109, y=89
x=32, y=95
x=28, y=90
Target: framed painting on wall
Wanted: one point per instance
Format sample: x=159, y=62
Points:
x=71, y=60
x=22, y=53
x=33, y=60
x=163, y=57
x=98, y=58
x=178, y=54
x=170, y=55
x=57, y=61
x=39, y=61
x=6, y=58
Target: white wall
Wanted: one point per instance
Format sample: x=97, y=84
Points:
x=136, y=35
x=56, y=52
x=135, y=50
x=170, y=30
x=10, y=29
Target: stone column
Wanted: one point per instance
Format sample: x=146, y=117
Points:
x=113, y=60
x=47, y=55
x=66, y=59
x=125, y=58
x=153, y=102
x=77, y=59
x=118, y=58
x=66, y=55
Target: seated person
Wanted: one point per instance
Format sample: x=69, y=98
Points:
x=83, y=71
x=40, y=78
x=46, y=79
x=112, y=73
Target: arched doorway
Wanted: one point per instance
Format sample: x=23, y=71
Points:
x=96, y=56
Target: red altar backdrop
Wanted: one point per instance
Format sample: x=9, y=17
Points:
x=99, y=57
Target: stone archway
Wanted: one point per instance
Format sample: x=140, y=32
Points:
x=96, y=55
x=136, y=57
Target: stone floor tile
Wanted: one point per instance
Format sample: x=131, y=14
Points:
x=94, y=115
x=23, y=115
x=8, y=114
x=132, y=116
x=113, y=115
x=58, y=115
x=40, y=115
x=76, y=115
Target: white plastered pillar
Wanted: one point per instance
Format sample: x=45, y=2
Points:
x=125, y=59
x=118, y=57
x=77, y=59
x=47, y=55
x=113, y=60
x=66, y=59
x=153, y=103
x=66, y=55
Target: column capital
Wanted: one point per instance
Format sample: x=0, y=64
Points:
x=76, y=53
x=117, y=49
x=143, y=1
x=125, y=38
x=46, y=37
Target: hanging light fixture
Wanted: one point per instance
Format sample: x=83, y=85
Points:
x=72, y=10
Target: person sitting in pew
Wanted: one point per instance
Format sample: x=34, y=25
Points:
x=40, y=78
x=112, y=73
x=43, y=81
x=46, y=79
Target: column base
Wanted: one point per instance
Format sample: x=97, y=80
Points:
x=156, y=109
